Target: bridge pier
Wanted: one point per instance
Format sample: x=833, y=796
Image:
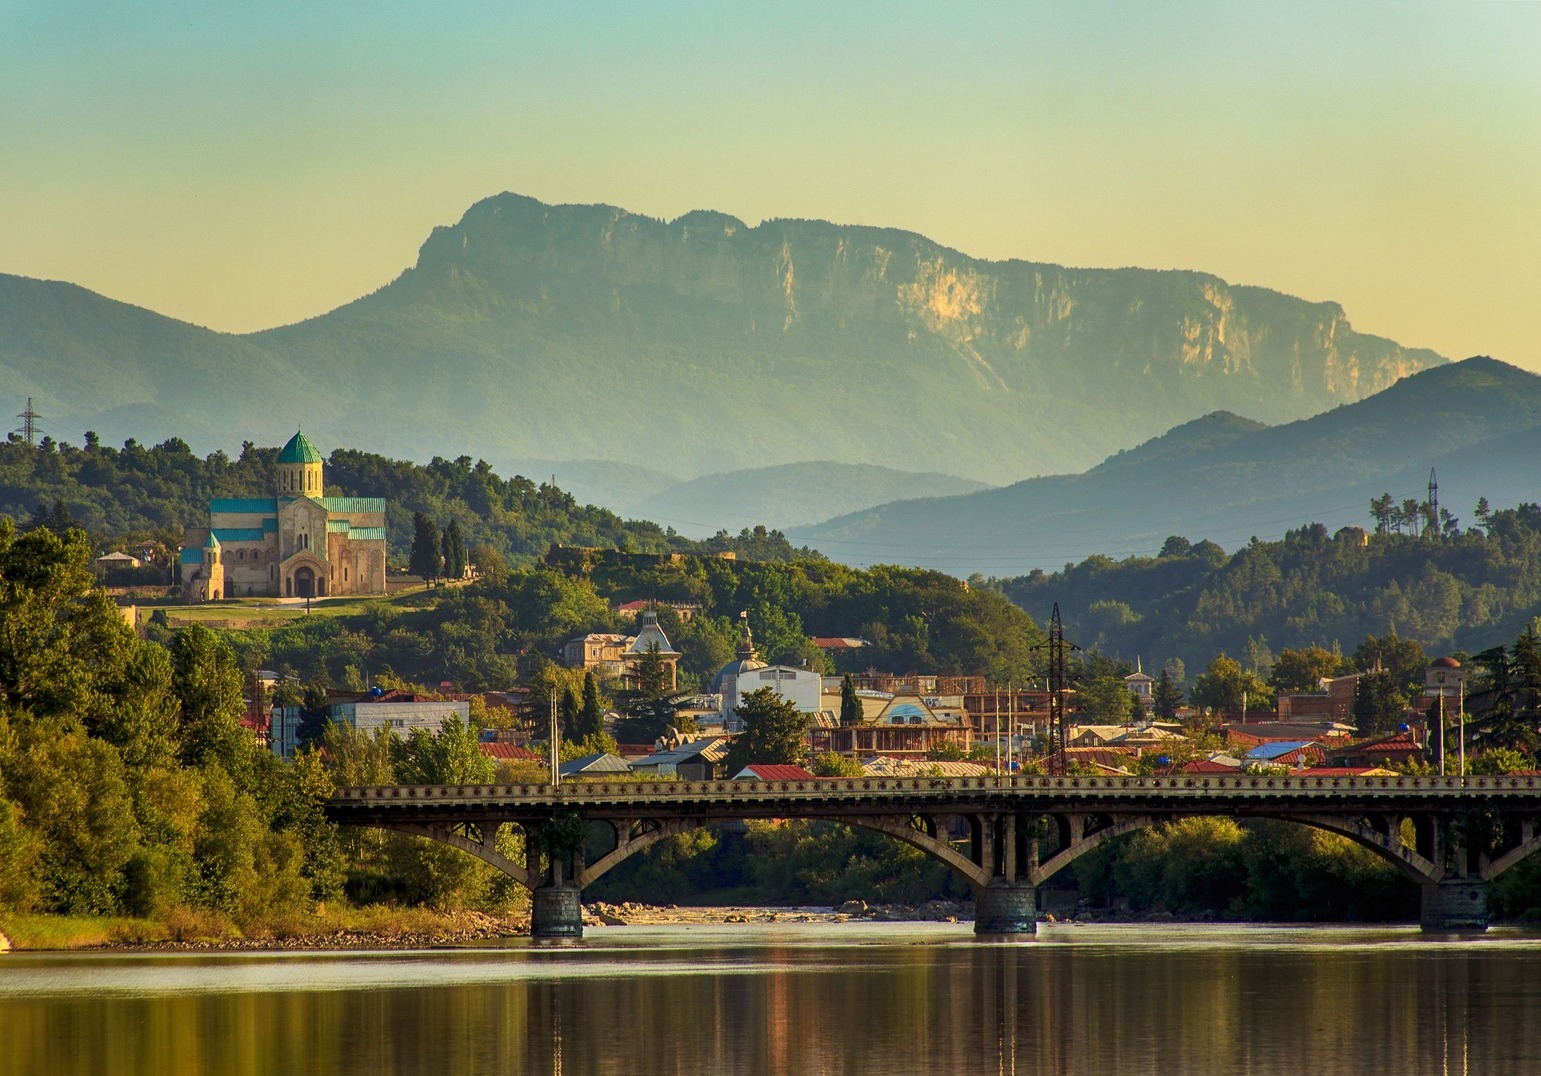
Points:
x=556, y=913
x=1005, y=907
x=1455, y=905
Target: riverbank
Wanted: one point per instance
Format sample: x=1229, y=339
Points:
x=407, y=928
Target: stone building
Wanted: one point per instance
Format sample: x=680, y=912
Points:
x=298, y=543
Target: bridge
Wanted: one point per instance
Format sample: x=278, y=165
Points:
x=1006, y=835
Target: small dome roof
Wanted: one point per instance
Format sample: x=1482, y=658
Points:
x=299, y=450
x=1445, y=663
x=735, y=668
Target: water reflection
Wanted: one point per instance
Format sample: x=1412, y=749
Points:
x=796, y=999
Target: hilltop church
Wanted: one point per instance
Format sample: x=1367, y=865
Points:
x=297, y=544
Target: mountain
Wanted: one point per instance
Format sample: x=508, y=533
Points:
x=789, y=495
x=1477, y=422
x=702, y=345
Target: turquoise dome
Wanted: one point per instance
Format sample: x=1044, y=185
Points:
x=299, y=450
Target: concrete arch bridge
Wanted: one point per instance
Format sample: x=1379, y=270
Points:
x=1020, y=830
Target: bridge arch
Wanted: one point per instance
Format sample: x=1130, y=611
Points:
x=1387, y=843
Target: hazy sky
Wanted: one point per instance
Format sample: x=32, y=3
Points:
x=246, y=165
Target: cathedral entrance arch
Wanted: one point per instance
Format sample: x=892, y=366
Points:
x=304, y=583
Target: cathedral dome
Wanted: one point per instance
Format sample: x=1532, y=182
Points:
x=299, y=450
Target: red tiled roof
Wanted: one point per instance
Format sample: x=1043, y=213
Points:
x=775, y=772
x=509, y=752
x=1338, y=771
x=1204, y=765
x=1112, y=757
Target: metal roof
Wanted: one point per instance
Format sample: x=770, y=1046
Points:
x=299, y=450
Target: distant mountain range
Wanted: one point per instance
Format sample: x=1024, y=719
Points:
x=1227, y=478
x=701, y=346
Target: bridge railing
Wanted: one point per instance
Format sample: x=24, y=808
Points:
x=841, y=788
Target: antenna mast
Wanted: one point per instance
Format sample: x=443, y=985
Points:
x=1433, y=503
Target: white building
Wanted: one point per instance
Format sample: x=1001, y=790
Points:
x=746, y=673
x=368, y=714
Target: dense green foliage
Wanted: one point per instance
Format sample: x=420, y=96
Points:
x=137, y=493
x=483, y=635
x=127, y=785
x=1257, y=870
x=1463, y=591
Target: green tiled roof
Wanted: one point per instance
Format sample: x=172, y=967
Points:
x=337, y=526
x=299, y=450
x=367, y=534
x=192, y=556
x=353, y=504
x=243, y=506
x=238, y=534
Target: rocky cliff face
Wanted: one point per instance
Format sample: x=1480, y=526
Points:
x=1011, y=326
x=703, y=345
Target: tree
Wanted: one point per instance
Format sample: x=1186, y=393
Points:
x=1378, y=702
x=1105, y=700
x=775, y=731
x=1302, y=669
x=208, y=685
x=650, y=674
x=1404, y=659
x=591, y=717
x=1225, y=686
x=453, y=757
x=567, y=714
x=426, y=559
x=832, y=764
x=1166, y=697
x=851, y=712
x=454, y=547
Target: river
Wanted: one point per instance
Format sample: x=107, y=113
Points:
x=799, y=998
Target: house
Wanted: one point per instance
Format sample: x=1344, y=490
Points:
x=1397, y=749
x=746, y=672
x=900, y=726
x=886, y=766
x=1333, y=701
x=697, y=760
x=631, y=610
x=600, y=764
x=763, y=771
x=615, y=657
x=400, y=712
x=503, y=751
x=116, y=561
x=1108, y=759
x=1296, y=754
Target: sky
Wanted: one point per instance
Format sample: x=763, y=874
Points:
x=243, y=165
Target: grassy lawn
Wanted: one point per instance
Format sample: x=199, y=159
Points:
x=272, y=613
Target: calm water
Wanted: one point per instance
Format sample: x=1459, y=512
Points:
x=800, y=998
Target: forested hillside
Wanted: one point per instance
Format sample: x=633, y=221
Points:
x=139, y=492
x=1445, y=587
x=484, y=635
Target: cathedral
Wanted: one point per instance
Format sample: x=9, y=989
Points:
x=296, y=544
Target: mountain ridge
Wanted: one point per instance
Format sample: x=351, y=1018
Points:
x=577, y=331
x=1471, y=420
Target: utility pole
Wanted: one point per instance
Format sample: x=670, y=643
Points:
x=1057, y=730
x=556, y=772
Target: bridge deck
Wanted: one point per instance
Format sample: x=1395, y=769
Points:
x=872, y=795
